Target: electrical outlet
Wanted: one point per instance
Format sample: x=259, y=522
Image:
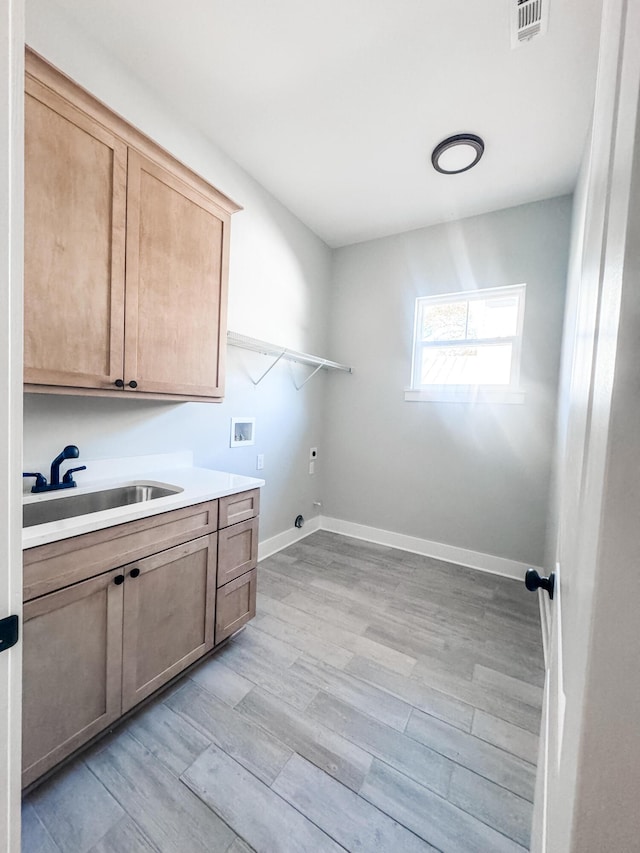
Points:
x=313, y=453
x=259, y=461
x=312, y=467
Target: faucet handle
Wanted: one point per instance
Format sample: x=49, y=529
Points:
x=41, y=480
x=68, y=475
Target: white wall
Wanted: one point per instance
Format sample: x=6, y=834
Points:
x=279, y=274
x=475, y=476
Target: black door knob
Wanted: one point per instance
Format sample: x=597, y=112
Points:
x=118, y=580
x=134, y=573
x=533, y=581
x=119, y=383
x=132, y=384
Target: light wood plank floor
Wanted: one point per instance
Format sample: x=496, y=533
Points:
x=380, y=701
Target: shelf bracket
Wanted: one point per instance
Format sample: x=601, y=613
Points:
x=311, y=375
x=270, y=368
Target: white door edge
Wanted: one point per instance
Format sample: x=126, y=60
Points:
x=11, y=263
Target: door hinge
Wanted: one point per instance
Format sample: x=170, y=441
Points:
x=8, y=632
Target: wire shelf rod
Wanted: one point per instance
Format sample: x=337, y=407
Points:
x=255, y=345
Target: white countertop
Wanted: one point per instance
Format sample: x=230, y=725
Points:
x=174, y=469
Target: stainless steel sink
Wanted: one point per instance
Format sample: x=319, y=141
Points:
x=55, y=509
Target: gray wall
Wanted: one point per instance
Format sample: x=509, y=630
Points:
x=278, y=291
x=471, y=475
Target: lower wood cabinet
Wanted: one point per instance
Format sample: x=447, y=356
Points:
x=72, y=670
x=169, y=602
x=113, y=615
x=95, y=649
x=235, y=605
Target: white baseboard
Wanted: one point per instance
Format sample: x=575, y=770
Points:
x=288, y=537
x=438, y=550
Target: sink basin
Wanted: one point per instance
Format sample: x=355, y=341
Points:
x=55, y=509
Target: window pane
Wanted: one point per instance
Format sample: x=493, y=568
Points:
x=480, y=365
x=495, y=317
x=444, y=322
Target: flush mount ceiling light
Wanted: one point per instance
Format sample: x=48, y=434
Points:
x=458, y=153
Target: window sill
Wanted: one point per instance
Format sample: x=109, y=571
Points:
x=463, y=395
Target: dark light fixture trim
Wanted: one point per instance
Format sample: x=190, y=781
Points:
x=468, y=139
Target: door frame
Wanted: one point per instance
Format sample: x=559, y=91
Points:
x=587, y=768
x=11, y=264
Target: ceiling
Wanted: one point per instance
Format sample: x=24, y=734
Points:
x=335, y=106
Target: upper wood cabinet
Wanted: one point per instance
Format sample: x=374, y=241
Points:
x=126, y=254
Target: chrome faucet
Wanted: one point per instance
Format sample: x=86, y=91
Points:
x=41, y=485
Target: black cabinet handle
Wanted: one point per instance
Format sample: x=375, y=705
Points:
x=533, y=581
x=132, y=384
x=134, y=573
x=118, y=580
x=119, y=383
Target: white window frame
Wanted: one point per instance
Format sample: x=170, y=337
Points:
x=511, y=393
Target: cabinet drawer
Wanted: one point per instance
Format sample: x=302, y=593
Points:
x=240, y=507
x=235, y=605
x=237, y=550
x=59, y=564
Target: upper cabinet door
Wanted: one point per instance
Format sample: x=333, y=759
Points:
x=175, y=310
x=75, y=209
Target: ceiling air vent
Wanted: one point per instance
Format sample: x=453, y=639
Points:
x=528, y=19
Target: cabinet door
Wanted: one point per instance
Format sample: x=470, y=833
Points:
x=75, y=208
x=169, y=605
x=177, y=257
x=236, y=605
x=72, y=670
